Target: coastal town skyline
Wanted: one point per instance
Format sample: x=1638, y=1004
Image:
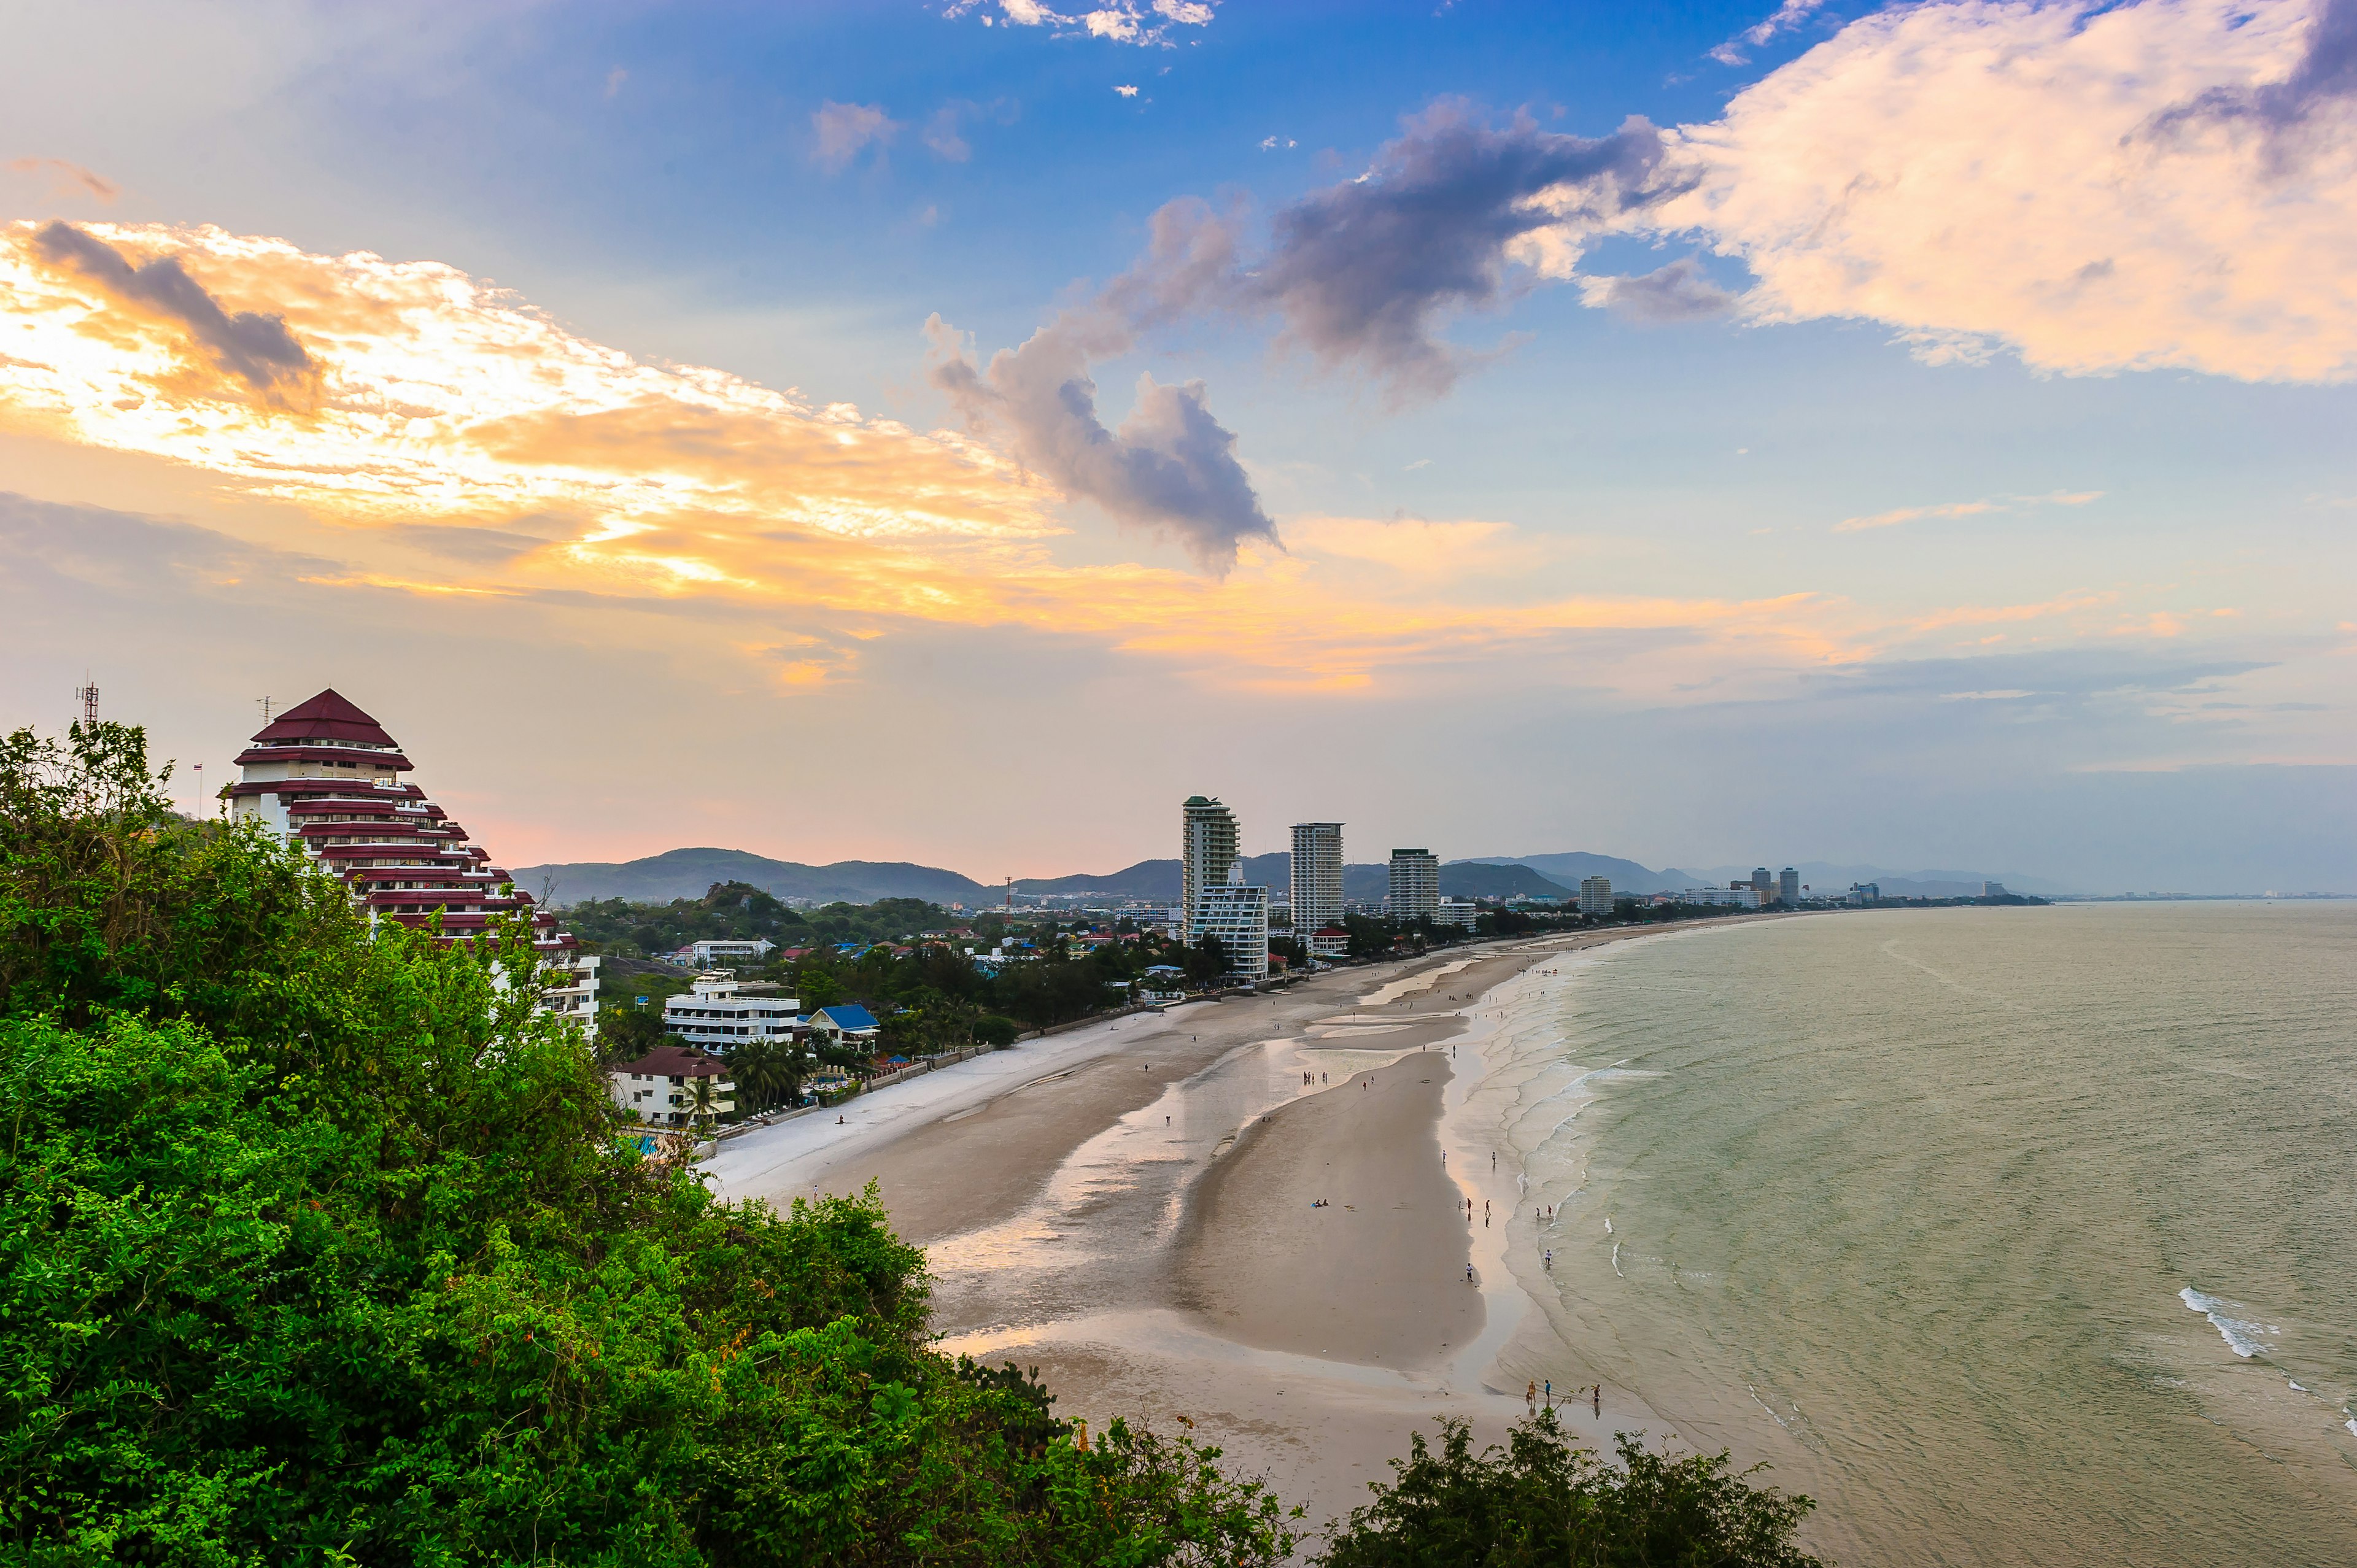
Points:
x=831, y=438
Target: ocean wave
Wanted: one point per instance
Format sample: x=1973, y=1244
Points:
x=2242, y=1335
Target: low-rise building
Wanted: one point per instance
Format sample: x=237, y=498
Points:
x=719, y=1011
x=660, y=1087
x=1329, y=941
x=707, y=954
x=849, y=1022
x=1739, y=897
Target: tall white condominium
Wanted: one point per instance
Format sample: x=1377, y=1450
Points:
x=1317, y=876
x=1415, y=885
x=1595, y=895
x=1238, y=917
x=1207, y=848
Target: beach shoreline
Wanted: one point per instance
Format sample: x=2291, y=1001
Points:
x=1130, y=1210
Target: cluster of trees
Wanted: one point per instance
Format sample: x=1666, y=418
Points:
x=739, y=911
x=933, y=996
x=319, y=1246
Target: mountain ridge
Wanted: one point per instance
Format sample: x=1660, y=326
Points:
x=686, y=873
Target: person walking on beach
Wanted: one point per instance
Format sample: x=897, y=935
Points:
x=1468, y=1273
x=1530, y=1398
x=1599, y=1402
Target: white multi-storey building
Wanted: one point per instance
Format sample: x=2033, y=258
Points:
x=660, y=1087
x=1238, y=917
x=705, y=954
x=1595, y=895
x=718, y=1013
x=1415, y=886
x=1457, y=912
x=1738, y=896
x=1316, y=879
x=1207, y=848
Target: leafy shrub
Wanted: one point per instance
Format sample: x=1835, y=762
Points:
x=1541, y=1500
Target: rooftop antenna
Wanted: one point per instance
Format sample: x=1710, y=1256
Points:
x=87, y=695
x=264, y=704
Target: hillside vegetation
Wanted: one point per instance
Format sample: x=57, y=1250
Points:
x=319, y=1246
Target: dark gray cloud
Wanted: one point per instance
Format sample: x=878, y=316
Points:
x=2327, y=71
x=256, y=348
x=1679, y=292
x=1366, y=272
x=1170, y=467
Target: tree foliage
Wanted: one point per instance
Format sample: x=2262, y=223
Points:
x=1541, y=1500
x=318, y=1245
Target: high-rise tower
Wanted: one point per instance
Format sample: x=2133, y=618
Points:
x=1414, y=885
x=326, y=778
x=1208, y=847
x=1317, y=877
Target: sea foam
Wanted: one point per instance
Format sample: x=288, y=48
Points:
x=2242, y=1335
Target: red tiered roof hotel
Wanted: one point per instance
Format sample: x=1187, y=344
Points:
x=326, y=776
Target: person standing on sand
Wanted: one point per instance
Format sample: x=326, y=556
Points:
x=1530, y=1398
x=1468, y=1273
x=1599, y=1402
x=1550, y=1393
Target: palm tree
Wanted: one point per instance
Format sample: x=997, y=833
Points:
x=702, y=1102
x=767, y=1072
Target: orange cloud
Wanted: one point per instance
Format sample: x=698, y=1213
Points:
x=444, y=406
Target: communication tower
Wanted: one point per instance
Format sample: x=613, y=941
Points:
x=87, y=695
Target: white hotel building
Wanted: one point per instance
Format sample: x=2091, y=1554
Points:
x=1238, y=917
x=718, y=1013
x=1317, y=877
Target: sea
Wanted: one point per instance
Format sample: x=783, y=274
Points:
x=2012, y=1236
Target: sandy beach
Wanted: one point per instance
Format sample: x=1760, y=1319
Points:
x=1129, y=1207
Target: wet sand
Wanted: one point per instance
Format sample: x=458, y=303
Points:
x=1377, y=1276
x=1128, y=1209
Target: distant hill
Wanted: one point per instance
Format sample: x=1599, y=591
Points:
x=1158, y=881
x=686, y=873
x=1480, y=879
x=1566, y=868
x=1820, y=876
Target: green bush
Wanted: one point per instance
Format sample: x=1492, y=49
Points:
x=1541, y=1500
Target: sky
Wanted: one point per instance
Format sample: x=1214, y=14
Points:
x=958, y=430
